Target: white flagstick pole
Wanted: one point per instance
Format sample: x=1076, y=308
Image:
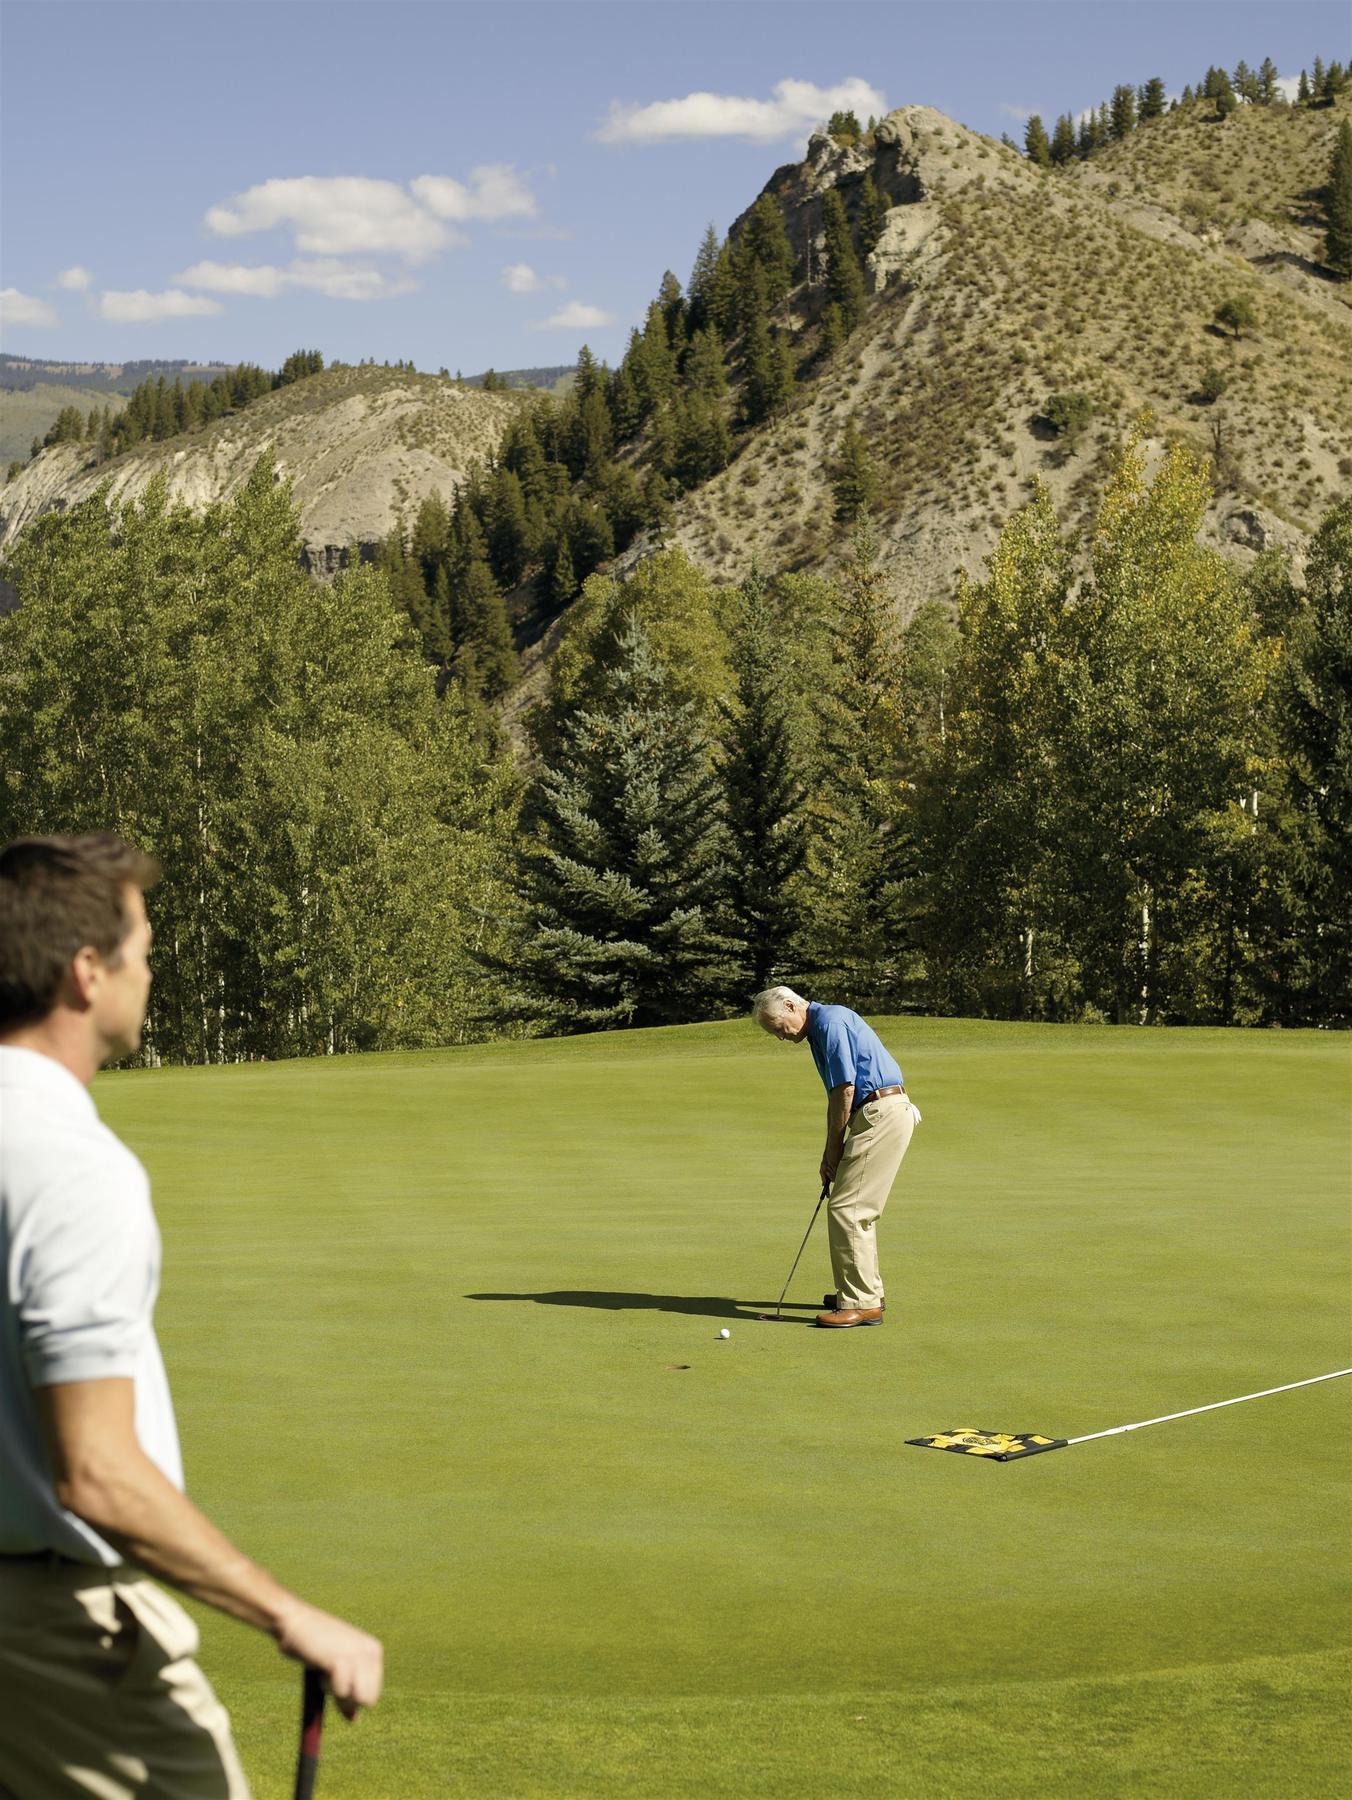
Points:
x=1164, y=1418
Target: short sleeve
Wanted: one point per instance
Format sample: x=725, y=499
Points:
x=839, y=1056
x=87, y=1274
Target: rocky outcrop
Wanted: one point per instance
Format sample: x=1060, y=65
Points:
x=361, y=447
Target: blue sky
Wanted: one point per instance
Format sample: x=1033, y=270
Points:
x=470, y=185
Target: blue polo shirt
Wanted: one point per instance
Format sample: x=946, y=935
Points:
x=846, y=1048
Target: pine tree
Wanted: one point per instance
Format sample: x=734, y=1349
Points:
x=844, y=279
x=766, y=242
x=1244, y=81
x=655, y=365
x=507, y=532
x=1316, y=81
x=871, y=214
x=562, y=579
x=1187, y=96
x=853, y=848
x=1036, y=145
x=1152, y=99
x=1122, y=117
x=1268, y=90
x=700, y=287
x=1303, y=90
x=1063, y=140
x=768, y=373
x=484, y=631
x=763, y=795
x=672, y=302
x=854, y=482
x=722, y=294
x=626, y=410
x=704, y=371
x=1318, y=732
x=1338, y=205
x=623, y=882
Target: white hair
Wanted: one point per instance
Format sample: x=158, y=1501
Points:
x=766, y=1008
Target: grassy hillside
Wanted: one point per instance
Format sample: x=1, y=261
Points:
x=1008, y=285
x=998, y=286
x=1263, y=163
x=443, y=1335
x=27, y=413
x=363, y=445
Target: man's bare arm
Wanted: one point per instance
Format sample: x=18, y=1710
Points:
x=103, y=1476
x=838, y=1106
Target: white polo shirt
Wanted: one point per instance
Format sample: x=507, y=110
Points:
x=80, y=1264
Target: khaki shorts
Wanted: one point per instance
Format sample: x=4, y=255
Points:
x=99, y=1693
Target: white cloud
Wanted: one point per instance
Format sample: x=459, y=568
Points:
x=335, y=216
x=322, y=275
x=25, y=310
x=138, y=307
x=521, y=278
x=261, y=282
x=495, y=191
x=1021, y=113
x=796, y=107
x=77, y=279
x=576, y=316
x=1288, y=86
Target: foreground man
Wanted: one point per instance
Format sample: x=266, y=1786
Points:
x=99, y=1693
x=869, y=1120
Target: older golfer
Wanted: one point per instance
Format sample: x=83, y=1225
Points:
x=869, y=1120
x=99, y=1692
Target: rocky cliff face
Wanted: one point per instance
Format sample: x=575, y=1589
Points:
x=361, y=446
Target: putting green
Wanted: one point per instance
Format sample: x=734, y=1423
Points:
x=428, y=1320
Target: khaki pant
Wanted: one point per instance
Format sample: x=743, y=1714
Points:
x=99, y=1693
x=875, y=1143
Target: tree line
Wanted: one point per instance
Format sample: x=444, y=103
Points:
x=154, y=410
x=1123, y=794
x=1117, y=786
x=1132, y=106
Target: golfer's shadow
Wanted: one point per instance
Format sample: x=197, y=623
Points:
x=709, y=1306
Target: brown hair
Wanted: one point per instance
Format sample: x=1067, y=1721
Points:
x=57, y=896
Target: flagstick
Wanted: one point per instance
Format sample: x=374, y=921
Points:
x=1164, y=1418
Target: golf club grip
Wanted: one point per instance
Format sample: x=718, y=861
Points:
x=313, y=1695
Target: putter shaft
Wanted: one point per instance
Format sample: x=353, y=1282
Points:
x=826, y=1188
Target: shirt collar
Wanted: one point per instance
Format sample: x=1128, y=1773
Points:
x=29, y=1071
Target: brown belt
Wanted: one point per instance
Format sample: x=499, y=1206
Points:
x=877, y=1094
x=45, y=1556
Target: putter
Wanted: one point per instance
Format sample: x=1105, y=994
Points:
x=769, y=1317
x=311, y=1729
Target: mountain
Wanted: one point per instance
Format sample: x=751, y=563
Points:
x=996, y=286
x=363, y=445
x=24, y=372
x=999, y=285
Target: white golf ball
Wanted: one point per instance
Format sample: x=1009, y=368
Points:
x=725, y=1332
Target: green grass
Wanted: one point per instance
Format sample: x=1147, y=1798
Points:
x=599, y=1574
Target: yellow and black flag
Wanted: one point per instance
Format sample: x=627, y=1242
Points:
x=995, y=1446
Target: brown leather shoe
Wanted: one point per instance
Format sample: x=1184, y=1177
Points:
x=832, y=1303
x=842, y=1321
